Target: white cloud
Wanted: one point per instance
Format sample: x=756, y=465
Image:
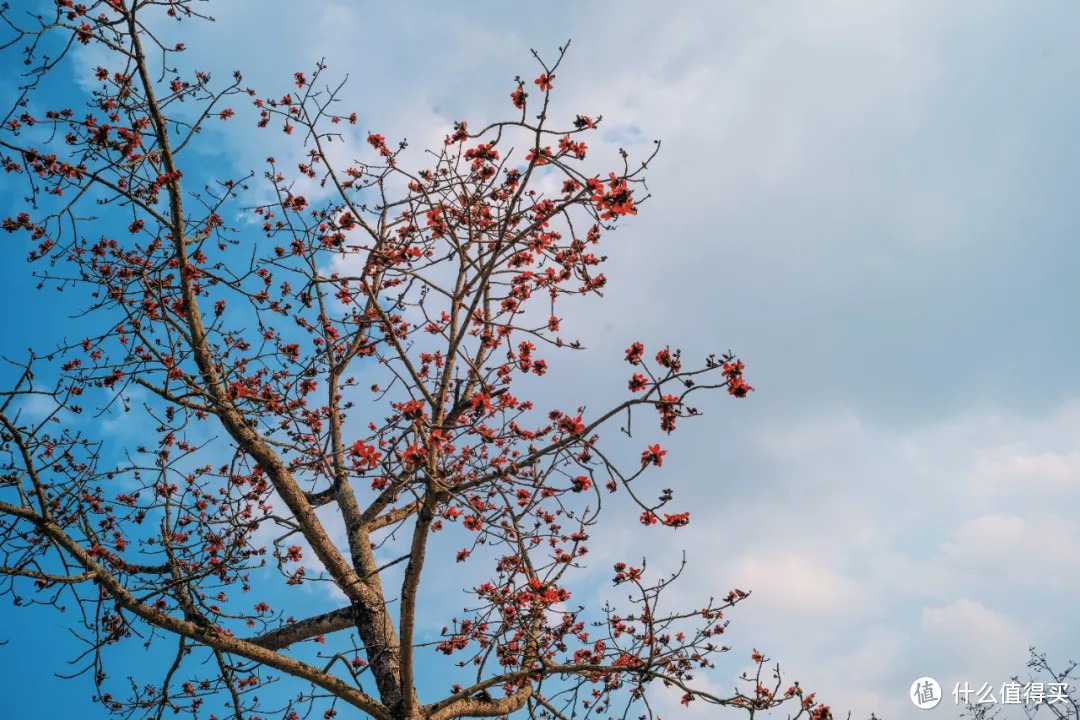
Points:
x=1045, y=470
x=854, y=536
x=1041, y=550
x=969, y=642
x=795, y=586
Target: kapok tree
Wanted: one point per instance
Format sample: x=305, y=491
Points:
x=332, y=392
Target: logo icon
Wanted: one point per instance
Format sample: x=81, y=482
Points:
x=925, y=693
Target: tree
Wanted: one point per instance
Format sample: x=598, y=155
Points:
x=441, y=288
x=1045, y=693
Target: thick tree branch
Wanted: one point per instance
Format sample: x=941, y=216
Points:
x=199, y=633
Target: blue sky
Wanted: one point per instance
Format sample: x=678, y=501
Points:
x=874, y=205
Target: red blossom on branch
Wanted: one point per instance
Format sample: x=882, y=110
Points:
x=653, y=456
x=375, y=404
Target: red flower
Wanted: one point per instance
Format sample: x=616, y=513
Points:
x=566, y=145
x=540, y=157
x=481, y=402
x=480, y=153
x=518, y=96
x=581, y=483
x=365, y=454
x=572, y=425
x=677, y=520
x=667, y=409
x=634, y=353
x=653, y=455
x=638, y=382
x=545, y=81
x=647, y=518
x=738, y=387
x=414, y=455
x=665, y=358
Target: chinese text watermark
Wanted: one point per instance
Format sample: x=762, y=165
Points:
x=926, y=693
